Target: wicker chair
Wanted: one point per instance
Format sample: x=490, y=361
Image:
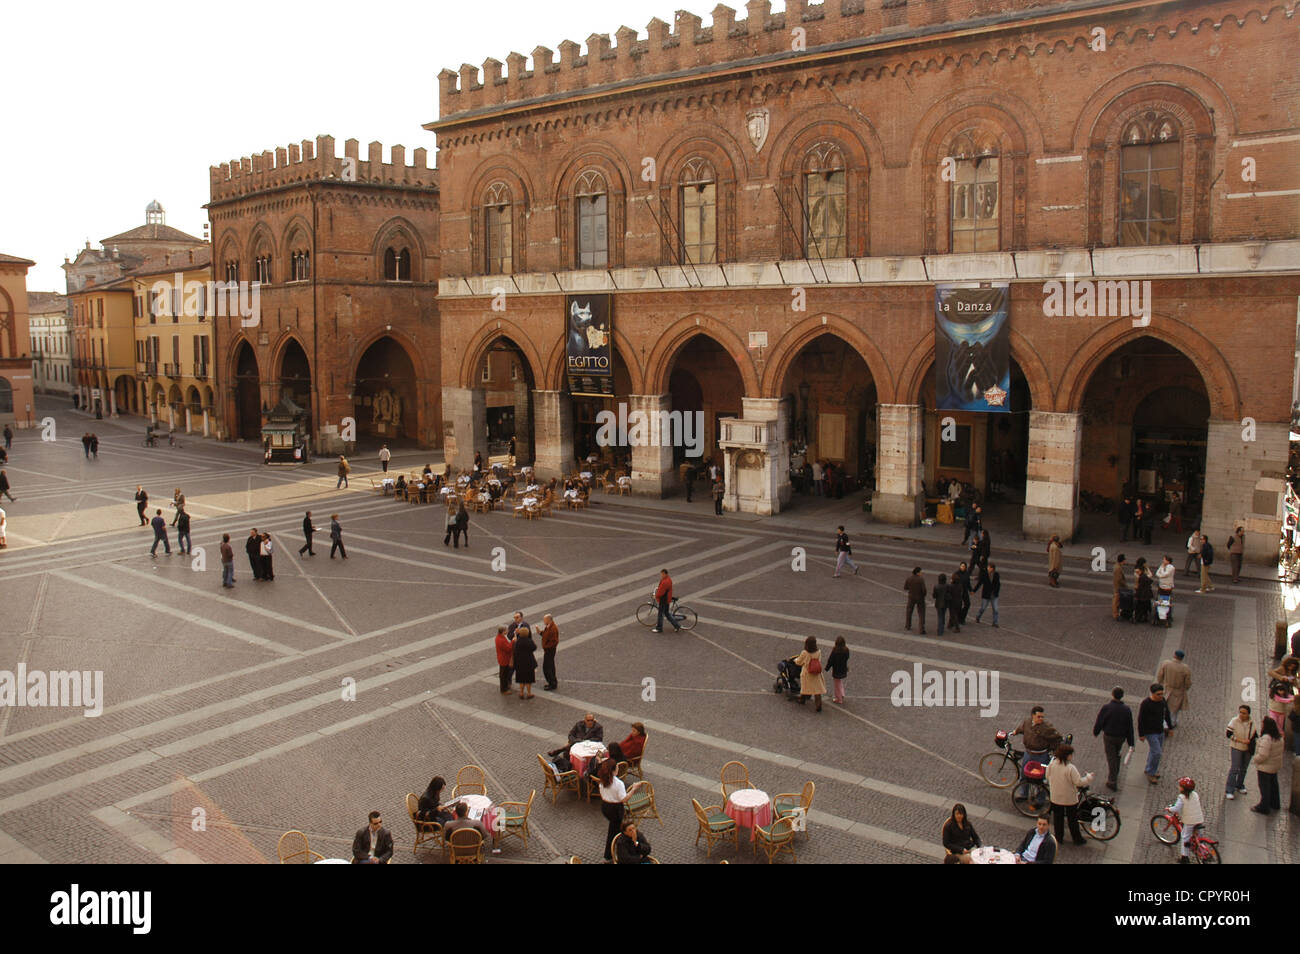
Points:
x=425, y=831
x=470, y=781
x=292, y=849
x=634, y=764
x=466, y=846
x=641, y=802
x=513, y=819
x=613, y=847
x=796, y=806
x=734, y=778
x=776, y=838
x=608, y=483
x=557, y=782
x=715, y=826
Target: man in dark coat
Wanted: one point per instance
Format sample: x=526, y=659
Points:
x=1115, y=725
x=962, y=577
x=1155, y=724
x=373, y=845
x=915, y=587
x=956, y=591
x=972, y=524
x=4, y=485
x=307, y=531
x=1126, y=510
x=990, y=585
x=141, y=504
x=253, y=547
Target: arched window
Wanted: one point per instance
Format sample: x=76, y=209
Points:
x=591, y=196
x=498, y=230
x=262, y=268
x=299, y=265
x=397, y=264
x=973, y=204
x=699, y=212
x=232, y=270
x=1150, y=180
x=825, y=202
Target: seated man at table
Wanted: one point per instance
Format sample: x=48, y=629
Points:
x=373, y=845
x=399, y=487
x=463, y=821
x=1038, y=847
x=633, y=847
x=586, y=730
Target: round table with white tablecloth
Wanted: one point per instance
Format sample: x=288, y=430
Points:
x=580, y=753
x=988, y=855
x=750, y=808
x=481, y=810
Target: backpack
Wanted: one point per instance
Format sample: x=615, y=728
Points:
x=814, y=667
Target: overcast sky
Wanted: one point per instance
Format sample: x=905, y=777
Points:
x=111, y=105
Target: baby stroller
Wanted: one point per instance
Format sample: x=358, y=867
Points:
x=1164, y=615
x=787, y=678
x=1126, y=605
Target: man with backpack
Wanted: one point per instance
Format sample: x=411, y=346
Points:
x=1207, y=560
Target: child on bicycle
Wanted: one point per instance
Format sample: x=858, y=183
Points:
x=1188, y=809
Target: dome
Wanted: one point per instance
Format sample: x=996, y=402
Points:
x=154, y=206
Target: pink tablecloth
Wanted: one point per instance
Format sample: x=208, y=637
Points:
x=580, y=753
x=750, y=808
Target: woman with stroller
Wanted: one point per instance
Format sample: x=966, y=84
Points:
x=1141, y=591
x=1165, y=574
x=811, y=681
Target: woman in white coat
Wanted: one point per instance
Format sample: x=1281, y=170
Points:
x=1063, y=784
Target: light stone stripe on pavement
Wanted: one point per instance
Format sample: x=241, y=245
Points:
x=181, y=615
x=141, y=835
x=1246, y=835
x=13, y=852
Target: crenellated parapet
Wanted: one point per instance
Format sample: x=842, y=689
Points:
x=308, y=161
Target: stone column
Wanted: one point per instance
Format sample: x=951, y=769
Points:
x=899, y=496
x=1052, y=477
x=1244, y=485
x=464, y=412
x=171, y=416
x=776, y=477
x=112, y=403
x=652, y=458
x=189, y=420
x=553, y=433
x=523, y=419
x=206, y=424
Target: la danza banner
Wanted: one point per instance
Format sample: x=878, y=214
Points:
x=589, y=344
x=972, y=347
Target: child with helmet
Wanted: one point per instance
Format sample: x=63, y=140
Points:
x=1188, y=808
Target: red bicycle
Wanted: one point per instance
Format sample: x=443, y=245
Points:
x=1168, y=829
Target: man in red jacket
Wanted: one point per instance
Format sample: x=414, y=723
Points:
x=505, y=658
x=664, y=595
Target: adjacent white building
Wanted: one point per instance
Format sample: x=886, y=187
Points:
x=51, y=343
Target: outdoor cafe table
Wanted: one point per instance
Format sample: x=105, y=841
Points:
x=988, y=855
x=580, y=753
x=750, y=808
x=481, y=810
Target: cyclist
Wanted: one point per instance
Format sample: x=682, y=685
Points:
x=663, y=595
x=1041, y=737
x=1188, y=809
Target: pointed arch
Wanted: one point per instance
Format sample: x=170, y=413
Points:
x=398, y=233
x=557, y=381
x=675, y=337
x=1032, y=366
x=477, y=346
x=810, y=329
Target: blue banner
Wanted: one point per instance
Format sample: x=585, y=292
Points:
x=972, y=347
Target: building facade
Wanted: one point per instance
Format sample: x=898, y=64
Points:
x=345, y=250
x=771, y=202
x=17, y=401
x=51, y=343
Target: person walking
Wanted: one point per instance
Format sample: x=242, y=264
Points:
x=962, y=576
x=266, y=550
x=1165, y=576
x=811, y=681
x=1281, y=702
x=525, y=661
x=4, y=529
x=253, y=547
x=159, y=535
x=178, y=504
x=1154, y=727
x=1268, y=762
x=1176, y=677
x=344, y=470
x=307, y=531
x=4, y=486
x=843, y=553
x=1115, y=726
x=460, y=525
x=9, y=437
x=1063, y=784
x=718, y=491
x=1126, y=509
x=1139, y=511
x=663, y=596
x=613, y=794
x=956, y=590
x=838, y=664
x=141, y=504
x=1119, y=585
x=336, y=537
x=984, y=551
x=687, y=473
x=550, y=642
x=1236, y=548
x=1148, y=521
x=385, y=455
x=183, y=541
x=972, y=524
x=1194, y=543
x=94, y=445
x=817, y=475
x=1242, y=739
x=505, y=658
x=940, y=602
x=227, y=562
x=914, y=586
x=990, y=584
x=85, y=444
x=1207, y=561
x=1054, y=560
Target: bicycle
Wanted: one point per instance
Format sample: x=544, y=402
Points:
x=1001, y=769
x=1168, y=829
x=647, y=614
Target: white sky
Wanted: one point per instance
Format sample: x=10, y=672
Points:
x=110, y=105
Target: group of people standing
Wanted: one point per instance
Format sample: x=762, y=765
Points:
x=516, y=651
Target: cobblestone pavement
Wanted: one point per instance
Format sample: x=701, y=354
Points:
x=226, y=720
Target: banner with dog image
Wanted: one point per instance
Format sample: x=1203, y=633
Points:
x=589, y=344
x=972, y=347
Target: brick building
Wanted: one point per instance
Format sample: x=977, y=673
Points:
x=17, y=403
x=771, y=201
x=346, y=253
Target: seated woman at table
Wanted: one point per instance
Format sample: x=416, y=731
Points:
x=629, y=748
x=959, y=837
x=633, y=847
x=431, y=808
x=427, y=473
x=399, y=487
